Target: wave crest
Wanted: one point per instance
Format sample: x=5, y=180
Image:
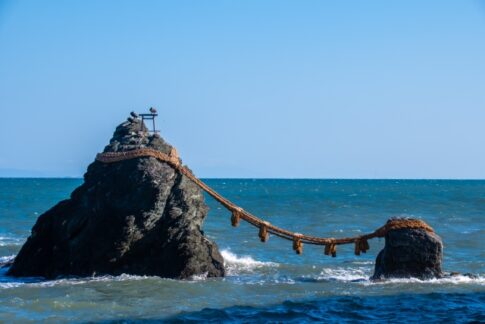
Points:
x=362, y=275
x=344, y=274
x=9, y=282
x=10, y=241
x=5, y=259
x=455, y=280
x=236, y=265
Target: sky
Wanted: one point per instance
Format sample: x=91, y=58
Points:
x=249, y=89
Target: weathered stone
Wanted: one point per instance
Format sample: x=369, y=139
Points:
x=410, y=253
x=137, y=216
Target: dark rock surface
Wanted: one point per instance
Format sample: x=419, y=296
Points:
x=137, y=216
x=410, y=253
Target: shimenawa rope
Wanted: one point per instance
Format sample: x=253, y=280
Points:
x=330, y=243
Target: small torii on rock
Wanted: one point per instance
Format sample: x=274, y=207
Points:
x=150, y=116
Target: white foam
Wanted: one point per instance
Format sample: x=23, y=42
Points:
x=10, y=241
x=363, y=262
x=236, y=265
x=362, y=275
x=39, y=282
x=7, y=285
x=344, y=274
x=199, y=277
x=455, y=280
x=5, y=259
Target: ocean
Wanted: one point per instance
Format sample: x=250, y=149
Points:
x=268, y=281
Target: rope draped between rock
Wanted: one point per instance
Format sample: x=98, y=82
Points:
x=265, y=228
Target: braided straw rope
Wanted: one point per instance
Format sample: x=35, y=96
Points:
x=361, y=244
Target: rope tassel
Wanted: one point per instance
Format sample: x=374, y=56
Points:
x=235, y=217
x=333, y=250
x=358, y=247
x=364, y=246
x=263, y=232
x=361, y=245
x=297, y=244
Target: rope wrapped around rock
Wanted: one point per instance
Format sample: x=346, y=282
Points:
x=361, y=242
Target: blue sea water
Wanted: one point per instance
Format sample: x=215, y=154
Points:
x=268, y=281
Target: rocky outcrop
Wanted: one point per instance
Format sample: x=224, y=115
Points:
x=410, y=252
x=137, y=216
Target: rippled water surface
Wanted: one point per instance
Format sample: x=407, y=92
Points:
x=267, y=281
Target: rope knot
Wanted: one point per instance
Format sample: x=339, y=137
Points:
x=173, y=157
x=173, y=153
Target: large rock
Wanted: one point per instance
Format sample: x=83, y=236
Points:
x=137, y=216
x=410, y=252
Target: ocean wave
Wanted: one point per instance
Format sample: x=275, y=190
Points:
x=5, y=259
x=199, y=277
x=361, y=275
x=236, y=265
x=415, y=308
x=368, y=262
x=344, y=274
x=13, y=284
x=10, y=241
x=455, y=280
x=259, y=273
x=8, y=282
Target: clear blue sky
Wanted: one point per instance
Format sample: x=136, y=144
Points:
x=313, y=89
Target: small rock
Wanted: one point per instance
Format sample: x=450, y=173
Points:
x=410, y=252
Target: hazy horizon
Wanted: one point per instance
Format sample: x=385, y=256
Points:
x=257, y=178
